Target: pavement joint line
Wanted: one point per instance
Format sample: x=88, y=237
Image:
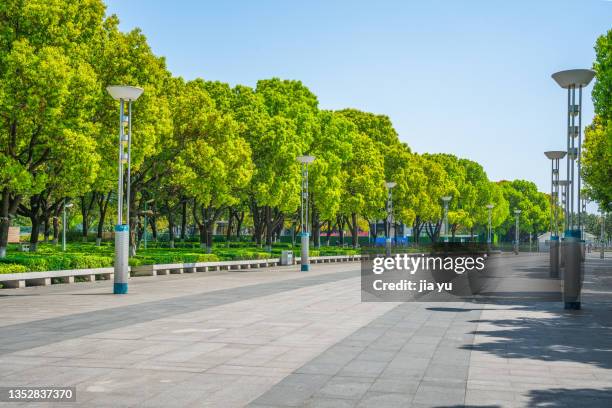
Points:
x=148, y=311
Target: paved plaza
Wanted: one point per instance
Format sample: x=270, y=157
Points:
x=281, y=338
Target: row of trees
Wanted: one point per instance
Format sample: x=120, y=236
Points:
x=597, y=158
x=204, y=151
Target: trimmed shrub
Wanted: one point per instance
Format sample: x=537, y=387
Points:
x=12, y=268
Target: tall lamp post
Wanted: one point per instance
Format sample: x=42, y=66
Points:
x=571, y=80
x=305, y=235
x=489, y=208
x=446, y=200
x=64, y=225
x=517, y=214
x=390, y=185
x=122, y=230
x=555, y=156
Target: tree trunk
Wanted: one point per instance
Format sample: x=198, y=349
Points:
x=8, y=208
x=46, y=229
x=170, y=216
x=35, y=220
x=86, y=206
x=316, y=228
x=230, y=222
x=153, y=224
x=56, y=229
x=353, y=228
x=103, y=201
x=183, y=219
x=268, y=215
x=330, y=229
x=340, y=230
x=239, y=219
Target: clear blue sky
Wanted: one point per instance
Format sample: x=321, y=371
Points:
x=469, y=77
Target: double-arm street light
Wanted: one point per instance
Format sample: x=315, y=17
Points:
x=489, y=208
x=305, y=235
x=122, y=230
x=446, y=200
x=554, y=156
x=390, y=185
x=517, y=214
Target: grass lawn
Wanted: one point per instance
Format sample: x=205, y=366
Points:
x=50, y=257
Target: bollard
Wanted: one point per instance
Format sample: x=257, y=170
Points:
x=554, y=257
x=572, y=276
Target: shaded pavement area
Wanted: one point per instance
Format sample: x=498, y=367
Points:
x=513, y=353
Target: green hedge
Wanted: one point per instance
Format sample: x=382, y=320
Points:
x=12, y=268
x=58, y=262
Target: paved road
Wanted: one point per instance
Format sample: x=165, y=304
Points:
x=281, y=338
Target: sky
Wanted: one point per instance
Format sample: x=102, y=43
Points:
x=468, y=77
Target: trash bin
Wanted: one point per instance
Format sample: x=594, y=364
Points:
x=286, y=258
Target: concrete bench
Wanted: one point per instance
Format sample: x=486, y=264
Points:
x=165, y=269
x=21, y=280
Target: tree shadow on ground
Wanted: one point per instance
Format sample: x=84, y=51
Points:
x=566, y=398
x=583, y=336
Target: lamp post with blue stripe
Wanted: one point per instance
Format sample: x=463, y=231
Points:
x=305, y=235
x=122, y=230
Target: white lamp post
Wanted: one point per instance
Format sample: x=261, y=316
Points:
x=554, y=156
x=570, y=80
x=489, y=208
x=517, y=213
x=446, y=200
x=122, y=231
x=305, y=236
x=64, y=225
x=390, y=185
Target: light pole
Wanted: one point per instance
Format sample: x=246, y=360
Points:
x=122, y=231
x=554, y=156
x=64, y=225
x=489, y=208
x=570, y=80
x=446, y=200
x=305, y=236
x=390, y=185
x=517, y=214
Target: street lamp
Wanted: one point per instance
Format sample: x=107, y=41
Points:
x=489, y=208
x=64, y=225
x=446, y=200
x=122, y=231
x=305, y=236
x=517, y=213
x=390, y=185
x=554, y=156
x=570, y=80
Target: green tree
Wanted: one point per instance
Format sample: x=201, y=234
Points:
x=48, y=91
x=212, y=162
